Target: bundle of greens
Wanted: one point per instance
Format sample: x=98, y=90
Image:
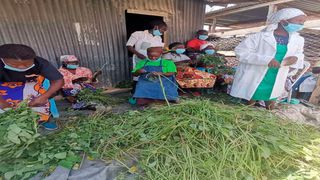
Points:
x=205, y=140
x=18, y=130
x=95, y=96
x=197, y=139
x=23, y=152
x=216, y=65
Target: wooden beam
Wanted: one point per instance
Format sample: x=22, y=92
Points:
x=234, y=32
x=272, y=9
x=224, y=12
x=230, y=1
x=213, y=26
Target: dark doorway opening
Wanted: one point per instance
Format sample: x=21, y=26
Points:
x=138, y=22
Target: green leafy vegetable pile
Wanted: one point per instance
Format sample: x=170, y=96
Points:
x=96, y=96
x=216, y=65
x=197, y=139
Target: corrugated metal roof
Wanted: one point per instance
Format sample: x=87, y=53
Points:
x=310, y=7
x=93, y=30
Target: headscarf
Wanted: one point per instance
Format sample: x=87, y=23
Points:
x=68, y=58
x=283, y=14
x=203, y=46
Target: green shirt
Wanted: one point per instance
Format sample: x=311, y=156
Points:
x=168, y=66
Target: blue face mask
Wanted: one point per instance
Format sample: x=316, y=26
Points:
x=180, y=51
x=156, y=32
x=210, y=51
x=16, y=69
x=203, y=37
x=154, y=60
x=72, y=66
x=291, y=27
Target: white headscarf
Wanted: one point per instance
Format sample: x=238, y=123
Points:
x=283, y=14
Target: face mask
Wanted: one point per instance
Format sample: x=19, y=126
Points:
x=72, y=66
x=203, y=37
x=155, y=60
x=291, y=27
x=16, y=69
x=210, y=51
x=156, y=32
x=180, y=51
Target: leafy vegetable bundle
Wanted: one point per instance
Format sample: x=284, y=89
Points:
x=95, y=96
x=196, y=139
x=216, y=65
x=204, y=140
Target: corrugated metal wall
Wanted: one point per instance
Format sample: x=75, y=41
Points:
x=93, y=30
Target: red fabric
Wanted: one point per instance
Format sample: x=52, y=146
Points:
x=196, y=43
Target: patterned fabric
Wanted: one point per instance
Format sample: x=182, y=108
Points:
x=282, y=40
x=76, y=91
x=15, y=92
x=68, y=58
x=188, y=77
x=80, y=72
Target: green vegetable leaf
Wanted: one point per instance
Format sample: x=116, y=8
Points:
x=61, y=155
x=13, y=137
x=14, y=128
x=265, y=152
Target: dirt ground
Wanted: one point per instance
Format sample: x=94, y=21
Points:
x=300, y=113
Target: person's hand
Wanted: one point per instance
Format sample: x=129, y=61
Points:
x=38, y=101
x=4, y=104
x=288, y=61
x=157, y=73
x=141, y=71
x=141, y=56
x=228, y=80
x=274, y=64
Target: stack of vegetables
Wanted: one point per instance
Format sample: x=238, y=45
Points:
x=197, y=139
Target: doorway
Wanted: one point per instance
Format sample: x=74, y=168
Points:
x=139, y=22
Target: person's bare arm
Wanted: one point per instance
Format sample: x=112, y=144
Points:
x=139, y=72
x=132, y=50
x=55, y=86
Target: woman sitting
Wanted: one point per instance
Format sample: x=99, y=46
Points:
x=22, y=74
x=176, y=54
x=212, y=62
x=156, y=78
x=76, y=78
x=187, y=76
